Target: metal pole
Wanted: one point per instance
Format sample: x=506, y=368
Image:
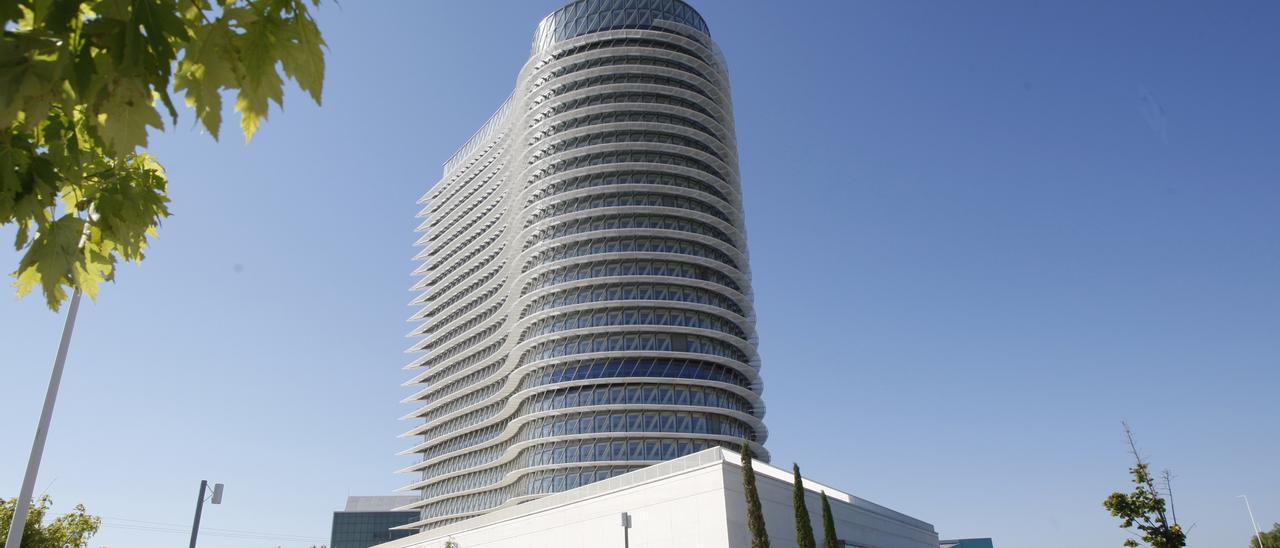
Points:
x=1254, y=521
x=195, y=527
x=42, y=431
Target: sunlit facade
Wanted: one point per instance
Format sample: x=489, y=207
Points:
x=584, y=305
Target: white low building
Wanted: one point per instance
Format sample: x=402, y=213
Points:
x=694, y=501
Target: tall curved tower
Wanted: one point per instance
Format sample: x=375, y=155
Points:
x=585, y=294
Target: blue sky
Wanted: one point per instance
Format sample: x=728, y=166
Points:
x=982, y=234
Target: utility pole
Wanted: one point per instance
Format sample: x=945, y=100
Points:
x=215, y=499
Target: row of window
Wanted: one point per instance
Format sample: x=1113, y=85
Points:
x=625, y=178
x=614, y=450
x=475, y=285
x=624, y=116
x=440, y=392
x=552, y=481
x=459, y=443
x=632, y=342
x=436, y=373
x=458, y=215
x=475, y=251
x=623, y=244
x=618, y=98
x=463, y=421
x=613, y=78
x=625, y=222
x=626, y=157
x=644, y=367
x=489, y=499
x=600, y=449
x=672, y=368
x=602, y=395
x=616, y=137
x=478, y=266
x=580, y=319
x=625, y=199
x=632, y=394
x=628, y=59
x=628, y=43
x=457, y=247
x=465, y=482
x=628, y=267
x=462, y=462
x=441, y=200
x=463, y=327
x=631, y=291
x=464, y=344
x=461, y=403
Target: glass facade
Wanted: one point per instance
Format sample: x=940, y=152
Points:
x=584, y=297
x=365, y=529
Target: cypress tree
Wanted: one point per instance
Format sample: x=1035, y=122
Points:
x=804, y=528
x=829, y=539
x=755, y=515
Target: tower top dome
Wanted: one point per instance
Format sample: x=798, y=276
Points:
x=587, y=16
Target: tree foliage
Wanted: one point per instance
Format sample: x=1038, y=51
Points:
x=804, y=527
x=1144, y=508
x=1270, y=539
x=73, y=529
x=82, y=82
x=755, y=513
x=829, y=537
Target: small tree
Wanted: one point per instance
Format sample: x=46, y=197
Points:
x=73, y=529
x=804, y=528
x=755, y=514
x=1144, y=508
x=829, y=538
x=1270, y=539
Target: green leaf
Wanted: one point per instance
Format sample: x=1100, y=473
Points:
x=259, y=51
x=123, y=119
x=302, y=53
x=208, y=67
x=51, y=259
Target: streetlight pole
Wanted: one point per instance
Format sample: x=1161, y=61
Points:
x=19, y=521
x=42, y=431
x=1256, y=533
x=626, y=530
x=215, y=499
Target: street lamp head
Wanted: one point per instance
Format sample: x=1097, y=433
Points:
x=217, y=494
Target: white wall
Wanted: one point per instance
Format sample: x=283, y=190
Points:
x=683, y=510
x=861, y=523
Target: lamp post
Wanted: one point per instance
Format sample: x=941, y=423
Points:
x=1256, y=532
x=626, y=530
x=216, y=498
x=19, y=521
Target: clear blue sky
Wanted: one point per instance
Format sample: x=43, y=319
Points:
x=982, y=234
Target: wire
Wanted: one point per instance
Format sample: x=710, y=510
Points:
x=163, y=527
